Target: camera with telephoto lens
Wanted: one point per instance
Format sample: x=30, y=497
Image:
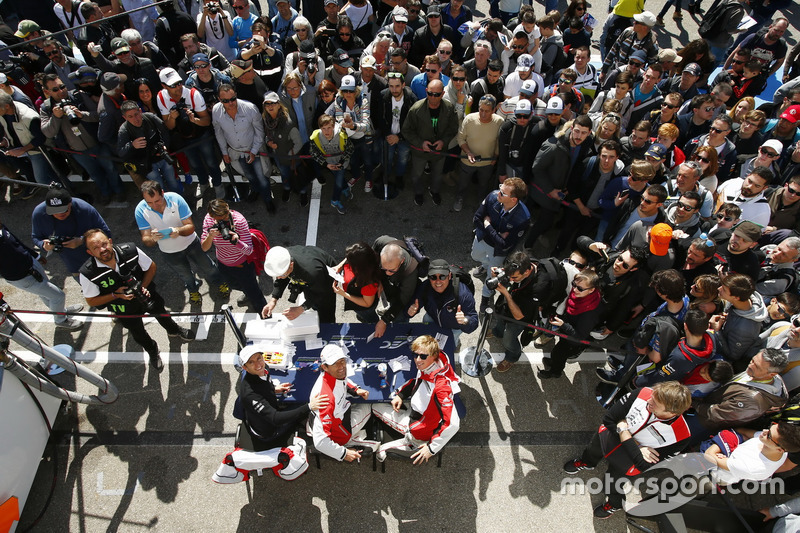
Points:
x=160, y=150
x=502, y=277
x=134, y=287
x=213, y=8
x=57, y=241
x=69, y=111
x=224, y=229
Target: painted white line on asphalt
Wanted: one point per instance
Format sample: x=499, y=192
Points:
x=241, y=318
x=313, y=214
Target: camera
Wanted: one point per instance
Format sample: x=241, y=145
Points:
x=294, y=291
x=181, y=106
x=213, y=8
x=135, y=288
x=160, y=150
x=58, y=242
x=502, y=277
x=69, y=111
x=224, y=229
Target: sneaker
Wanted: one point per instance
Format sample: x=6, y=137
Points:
x=348, y=193
x=659, y=21
x=543, y=340
x=287, y=194
x=380, y=456
x=436, y=197
x=201, y=190
x=184, y=333
x=242, y=300
x=352, y=181
x=270, y=207
x=70, y=324
x=156, y=362
x=367, y=186
x=419, y=199
x=77, y=308
x=605, y=510
x=478, y=272
x=303, y=199
x=195, y=297
x=504, y=366
x=677, y=16
x=339, y=207
x=599, y=335
x=458, y=204
x=224, y=288
x=606, y=376
x=576, y=465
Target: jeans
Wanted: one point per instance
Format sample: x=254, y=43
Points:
x=243, y=278
x=203, y=160
x=510, y=333
x=484, y=254
x=550, y=5
x=52, y=296
x=42, y=171
x=403, y=152
x=258, y=181
x=362, y=155
x=338, y=182
x=203, y=265
x=101, y=169
x=427, y=319
x=668, y=3
x=163, y=173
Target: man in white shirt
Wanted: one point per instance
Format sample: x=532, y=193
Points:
x=165, y=219
x=748, y=194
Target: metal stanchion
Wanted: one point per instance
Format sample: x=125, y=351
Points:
x=476, y=360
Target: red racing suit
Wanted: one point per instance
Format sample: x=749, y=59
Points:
x=433, y=414
x=331, y=427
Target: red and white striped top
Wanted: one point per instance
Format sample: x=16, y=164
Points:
x=227, y=253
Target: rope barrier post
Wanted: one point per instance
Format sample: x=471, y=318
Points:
x=476, y=361
x=240, y=338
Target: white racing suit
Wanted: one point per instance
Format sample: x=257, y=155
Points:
x=287, y=463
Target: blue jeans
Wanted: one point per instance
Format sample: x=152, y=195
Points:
x=203, y=265
x=97, y=162
x=403, y=152
x=510, y=333
x=668, y=3
x=52, y=296
x=258, y=181
x=484, y=254
x=338, y=183
x=362, y=155
x=203, y=160
x=42, y=171
x=550, y=5
x=456, y=332
x=163, y=173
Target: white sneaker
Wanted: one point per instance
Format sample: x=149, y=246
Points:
x=367, y=186
x=77, y=308
x=380, y=456
x=70, y=324
x=599, y=335
x=458, y=204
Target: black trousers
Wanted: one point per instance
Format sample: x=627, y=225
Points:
x=135, y=325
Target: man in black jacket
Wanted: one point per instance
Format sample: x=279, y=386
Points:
x=389, y=112
x=427, y=38
x=400, y=277
x=302, y=269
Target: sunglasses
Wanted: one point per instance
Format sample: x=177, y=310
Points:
x=669, y=106
x=174, y=85
x=522, y=117
x=422, y=356
x=768, y=153
x=341, y=34
x=348, y=90
x=709, y=110
x=791, y=191
x=635, y=63
x=394, y=75
x=58, y=88
x=625, y=265
x=685, y=207
x=201, y=65
x=638, y=180
x=737, y=62
x=646, y=201
x=445, y=52
x=431, y=70
x=701, y=158
x=438, y=277
x=518, y=47
x=784, y=312
x=227, y=100
x=578, y=288
x=459, y=79
x=720, y=216
x=562, y=80
x=433, y=94
x=239, y=8
x=433, y=15
x=579, y=266
x=52, y=53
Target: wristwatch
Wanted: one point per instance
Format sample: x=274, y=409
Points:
x=621, y=429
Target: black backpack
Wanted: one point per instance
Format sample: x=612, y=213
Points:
x=717, y=16
x=417, y=251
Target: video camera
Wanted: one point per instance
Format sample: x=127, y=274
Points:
x=135, y=288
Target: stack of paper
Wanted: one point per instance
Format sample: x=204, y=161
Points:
x=302, y=327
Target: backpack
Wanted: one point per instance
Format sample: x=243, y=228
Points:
x=552, y=270
x=417, y=251
x=260, y=249
x=560, y=61
x=717, y=17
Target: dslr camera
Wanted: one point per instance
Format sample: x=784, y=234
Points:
x=224, y=229
x=502, y=277
x=135, y=288
x=213, y=8
x=58, y=242
x=67, y=107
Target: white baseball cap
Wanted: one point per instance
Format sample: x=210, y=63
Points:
x=554, y=105
x=277, y=261
x=331, y=353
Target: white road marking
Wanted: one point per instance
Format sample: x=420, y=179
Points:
x=313, y=214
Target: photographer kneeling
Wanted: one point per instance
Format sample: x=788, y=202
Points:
x=142, y=144
x=119, y=278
